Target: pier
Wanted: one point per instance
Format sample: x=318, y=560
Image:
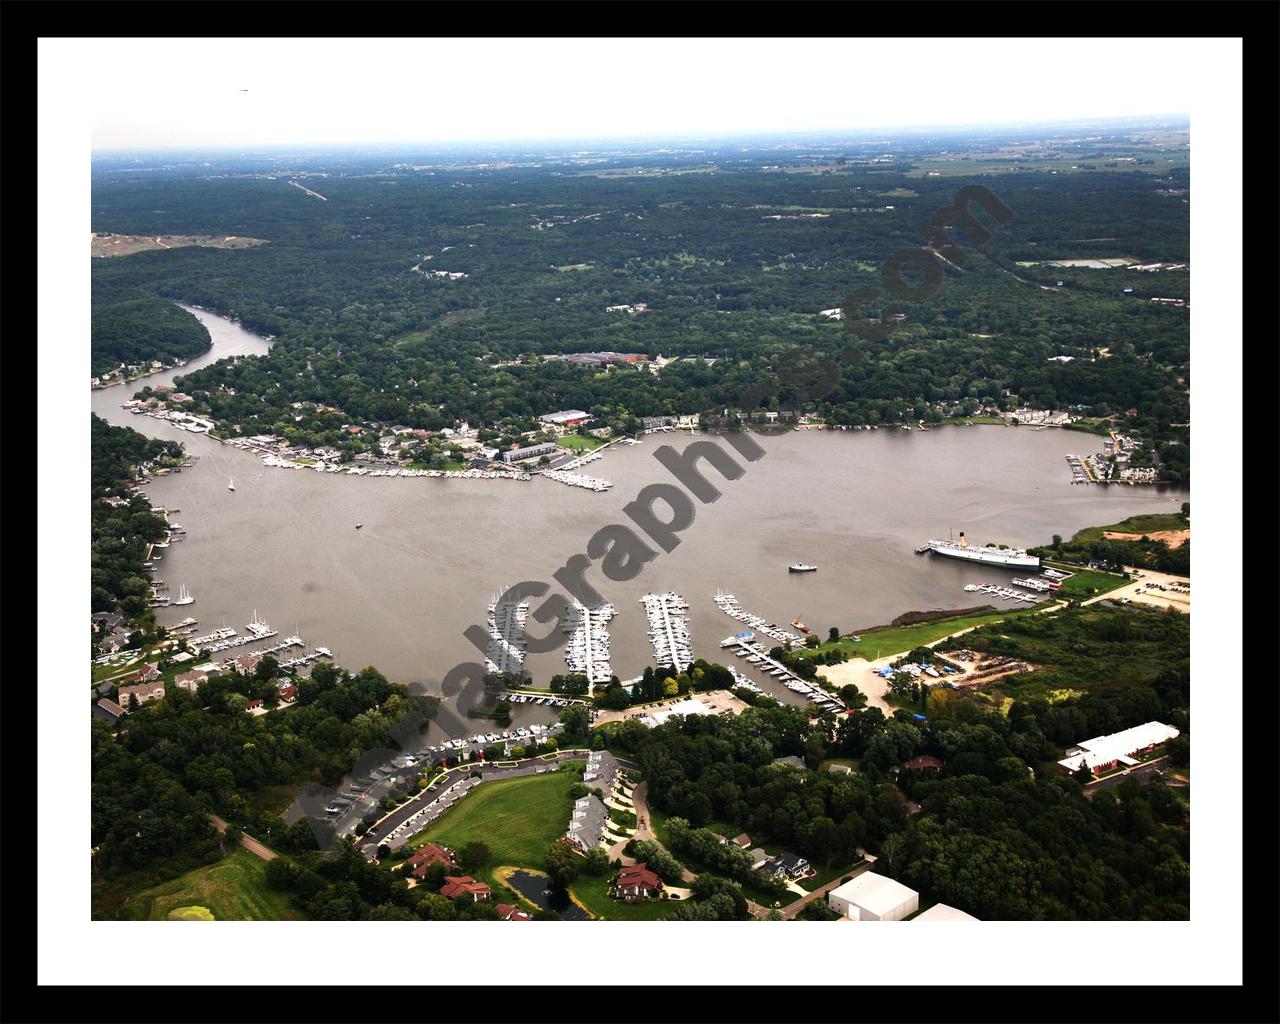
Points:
x=730, y=605
x=758, y=656
x=668, y=628
x=591, y=483
x=507, y=640
x=588, y=649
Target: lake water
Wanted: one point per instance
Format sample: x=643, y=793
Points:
x=399, y=592
x=534, y=888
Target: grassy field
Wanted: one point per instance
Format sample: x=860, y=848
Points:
x=593, y=893
x=579, y=443
x=233, y=889
x=272, y=800
x=127, y=245
x=1146, y=524
x=878, y=643
x=517, y=819
x=1088, y=582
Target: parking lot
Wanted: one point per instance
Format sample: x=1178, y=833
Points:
x=1153, y=589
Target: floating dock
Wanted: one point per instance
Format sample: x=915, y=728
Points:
x=669, y=629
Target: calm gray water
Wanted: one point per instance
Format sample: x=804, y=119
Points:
x=399, y=592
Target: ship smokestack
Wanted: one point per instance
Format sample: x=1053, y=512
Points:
x=963, y=542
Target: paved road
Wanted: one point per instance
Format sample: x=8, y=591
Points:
x=248, y=842
x=451, y=780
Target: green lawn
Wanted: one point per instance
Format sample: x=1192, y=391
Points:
x=593, y=893
x=517, y=819
x=1153, y=523
x=233, y=889
x=1088, y=582
x=580, y=443
x=879, y=643
x=826, y=875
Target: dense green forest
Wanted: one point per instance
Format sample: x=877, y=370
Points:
x=133, y=327
x=174, y=759
x=121, y=532
x=990, y=837
x=733, y=264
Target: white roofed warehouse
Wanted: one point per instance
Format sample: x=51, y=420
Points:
x=1118, y=750
x=872, y=897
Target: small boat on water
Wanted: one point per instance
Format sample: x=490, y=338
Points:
x=230, y=484
x=184, y=596
x=802, y=567
x=799, y=625
x=359, y=525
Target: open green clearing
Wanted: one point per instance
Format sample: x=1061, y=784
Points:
x=1154, y=523
x=593, y=893
x=517, y=819
x=1088, y=582
x=579, y=442
x=879, y=643
x=233, y=889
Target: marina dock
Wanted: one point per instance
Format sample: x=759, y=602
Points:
x=588, y=648
x=507, y=641
x=669, y=628
x=759, y=657
x=730, y=605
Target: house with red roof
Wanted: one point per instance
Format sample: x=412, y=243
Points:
x=429, y=853
x=506, y=912
x=636, y=882
x=461, y=886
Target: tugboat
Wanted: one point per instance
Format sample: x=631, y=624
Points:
x=802, y=567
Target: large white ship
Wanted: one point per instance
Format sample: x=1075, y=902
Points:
x=1014, y=558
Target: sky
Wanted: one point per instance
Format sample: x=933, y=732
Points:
x=281, y=92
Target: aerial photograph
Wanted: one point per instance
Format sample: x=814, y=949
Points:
x=544, y=518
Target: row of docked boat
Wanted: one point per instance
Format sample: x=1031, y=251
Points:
x=669, y=628
x=757, y=656
x=1004, y=593
x=587, y=651
x=590, y=483
x=508, y=642
x=731, y=606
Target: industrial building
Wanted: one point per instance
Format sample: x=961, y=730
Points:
x=530, y=452
x=872, y=897
x=1120, y=749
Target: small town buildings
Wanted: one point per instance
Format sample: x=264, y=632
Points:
x=742, y=842
x=602, y=771
x=925, y=762
x=109, y=621
x=680, y=707
x=759, y=858
x=586, y=824
x=566, y=418
x=288, y=691
x=191, y=681
x=506, y=912
x=429, y=853
x=531, y=451
x=872, y=897
x=108, y=710
x=788, y=762
x=142, y=691
x=463, y=886
x=1120, y=749
x=786, y=866
x=942, y=912
x=149, y=673
x=636, y=882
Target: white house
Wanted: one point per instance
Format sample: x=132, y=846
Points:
x=872, y=897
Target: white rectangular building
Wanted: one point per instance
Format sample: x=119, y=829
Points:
x=872, y=897
x=1120, y=749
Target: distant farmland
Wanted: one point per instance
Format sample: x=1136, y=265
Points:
x=127, y=245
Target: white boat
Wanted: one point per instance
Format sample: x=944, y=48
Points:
x=1013, y=557
x=184, y=596
x=230, y=484
x=802, y=567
